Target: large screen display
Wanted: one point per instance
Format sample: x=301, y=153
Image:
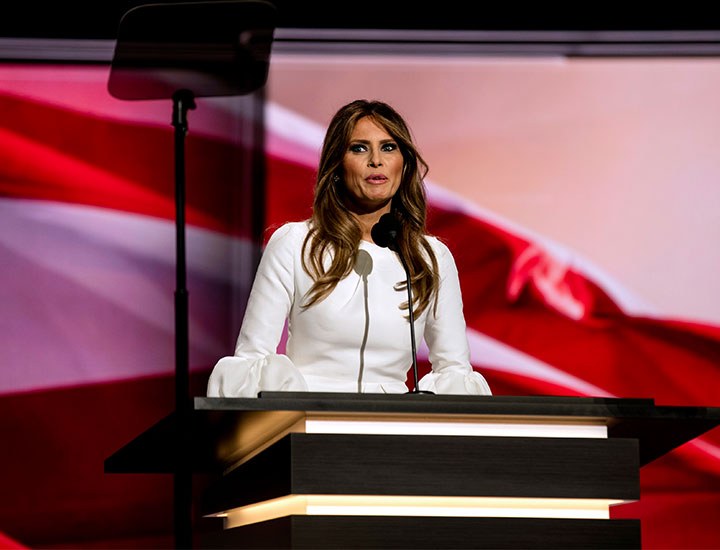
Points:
x=578, y=196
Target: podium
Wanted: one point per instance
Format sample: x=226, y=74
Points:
x=330, y=470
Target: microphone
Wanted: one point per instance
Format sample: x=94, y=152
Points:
x=385, y=233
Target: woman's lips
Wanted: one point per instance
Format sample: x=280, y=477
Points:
x=376, y=178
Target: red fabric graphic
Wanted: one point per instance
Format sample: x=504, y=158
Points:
x=515, y=291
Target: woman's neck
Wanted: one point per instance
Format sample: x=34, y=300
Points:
x=368, y=220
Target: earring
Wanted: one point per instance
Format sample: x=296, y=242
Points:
x=335, y=178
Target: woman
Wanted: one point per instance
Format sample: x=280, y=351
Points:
x=341, y=294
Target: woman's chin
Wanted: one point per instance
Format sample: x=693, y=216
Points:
x=373, y=207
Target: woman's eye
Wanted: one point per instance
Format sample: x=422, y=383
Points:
x=389, y=147
x=358, y=148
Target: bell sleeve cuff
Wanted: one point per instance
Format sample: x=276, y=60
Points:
x=241, y=377
x=454, y=382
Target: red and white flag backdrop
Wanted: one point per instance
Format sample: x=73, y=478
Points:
x=577, y=197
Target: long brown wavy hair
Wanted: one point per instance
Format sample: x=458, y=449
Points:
x=334, y=231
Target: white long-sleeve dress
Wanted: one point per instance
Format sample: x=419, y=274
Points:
x=355, y=340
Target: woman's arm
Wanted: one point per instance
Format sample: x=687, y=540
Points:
x=256, y=366
x=446, y=338
x=271, y=297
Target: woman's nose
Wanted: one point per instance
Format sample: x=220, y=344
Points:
x=374, y=159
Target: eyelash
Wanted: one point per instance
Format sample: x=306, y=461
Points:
x=358, y=148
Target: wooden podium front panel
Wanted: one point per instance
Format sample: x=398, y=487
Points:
x=428, y=533
x=334, y=464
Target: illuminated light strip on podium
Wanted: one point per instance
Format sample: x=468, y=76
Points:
x=494, y=429
x=270, y=426
x=365, y=505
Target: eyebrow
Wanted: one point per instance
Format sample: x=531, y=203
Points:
x=391, y=140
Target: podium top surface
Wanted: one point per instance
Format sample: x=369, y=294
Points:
x=614, y=410
x=428, y=403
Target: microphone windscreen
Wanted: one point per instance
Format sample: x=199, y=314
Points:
x=385, y=232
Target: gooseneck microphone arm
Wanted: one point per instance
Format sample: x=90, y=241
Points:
x=385, y=233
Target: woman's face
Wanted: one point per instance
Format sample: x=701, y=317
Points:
x=373, y=166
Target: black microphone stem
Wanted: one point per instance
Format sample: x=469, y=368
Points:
x=411, y=317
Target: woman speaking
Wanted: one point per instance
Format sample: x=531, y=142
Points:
x=344, y=297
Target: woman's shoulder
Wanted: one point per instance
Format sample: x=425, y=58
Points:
x=438, y=247
x=286, y=241
x=445, y=259
x=289, y=232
